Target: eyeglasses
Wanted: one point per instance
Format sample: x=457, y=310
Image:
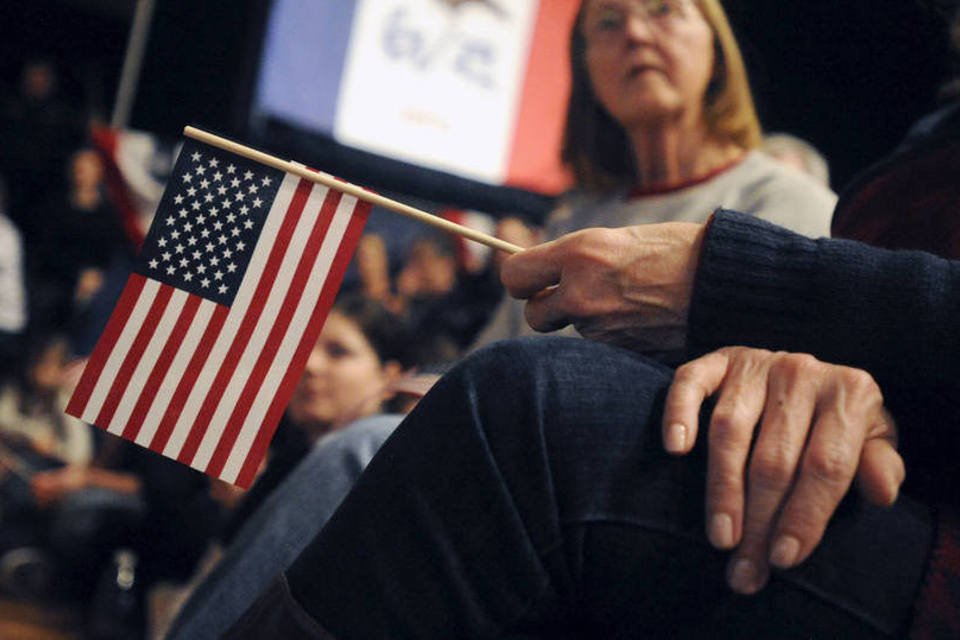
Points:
x=610, y=19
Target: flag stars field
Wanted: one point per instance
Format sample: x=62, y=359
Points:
x=205, y=201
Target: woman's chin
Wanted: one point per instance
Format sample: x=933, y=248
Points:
x=312, y=419
x=651, y=109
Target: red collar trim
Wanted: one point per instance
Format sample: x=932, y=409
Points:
x=660, y=189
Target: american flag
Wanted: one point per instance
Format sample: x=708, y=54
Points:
x=213, y=328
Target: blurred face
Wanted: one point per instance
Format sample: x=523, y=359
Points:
x=426, y=272
x=344, y=379
x=48, y=369
x=86, y=169
x=649, y=61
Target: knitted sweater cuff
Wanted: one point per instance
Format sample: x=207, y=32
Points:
x=754, y=285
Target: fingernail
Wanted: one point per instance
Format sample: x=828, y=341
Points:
x=784, y=552
x=721, y=531
x=743, y=576
x=676, y=438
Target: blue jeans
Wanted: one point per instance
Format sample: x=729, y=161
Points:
x=528, y=495
x=281, y=527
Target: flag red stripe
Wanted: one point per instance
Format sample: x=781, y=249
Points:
x=182, y=392
x=122, y=379
x=160, y=368
x=248, y=324
x=285, y=390
x=538, y=127
x=267, y=355
x=101, y=352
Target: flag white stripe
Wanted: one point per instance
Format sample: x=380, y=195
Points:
x=147, y=361
x=234, y=318
x=301, y=318
x=176, y=372
x=271, y=310
x=119, y=352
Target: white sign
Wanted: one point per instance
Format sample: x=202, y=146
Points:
x=436, y=82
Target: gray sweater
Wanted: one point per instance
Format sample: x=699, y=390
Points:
x=758, y=186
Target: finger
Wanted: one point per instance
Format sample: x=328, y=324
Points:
x=692, y=384
x=847, y=417
x=826, y=472
x=531, y=271
x=546, y=310
x=881, y=472
x=735, y=416
x=788, y=412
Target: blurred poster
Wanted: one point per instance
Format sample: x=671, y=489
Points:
x=302, y=61
x=476, y=88
x=436, y=82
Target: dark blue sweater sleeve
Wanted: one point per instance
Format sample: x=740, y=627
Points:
x=892, y=313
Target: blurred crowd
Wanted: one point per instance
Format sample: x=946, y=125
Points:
x=91, y=520
x=86, y=519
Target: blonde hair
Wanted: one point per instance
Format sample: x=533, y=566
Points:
x=596, y=147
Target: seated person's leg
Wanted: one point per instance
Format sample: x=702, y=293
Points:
x=283, y=525
x=529, y=492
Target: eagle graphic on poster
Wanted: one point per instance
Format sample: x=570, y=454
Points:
x=493, y=6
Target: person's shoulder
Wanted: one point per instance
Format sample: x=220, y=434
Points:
x=764, y=171
x=785, y=196
x=580, y=208
x=581, y=199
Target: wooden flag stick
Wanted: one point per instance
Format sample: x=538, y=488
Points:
x=358, y=192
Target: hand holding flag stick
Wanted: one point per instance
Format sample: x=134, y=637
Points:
x=358, y=192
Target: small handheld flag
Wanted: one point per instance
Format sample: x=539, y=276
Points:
x=228, y=296
x=229, y=293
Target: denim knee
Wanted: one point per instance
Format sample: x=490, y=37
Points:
x=556, y=384
x=565, y=417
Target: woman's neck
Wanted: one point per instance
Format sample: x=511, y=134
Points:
x=667, y=156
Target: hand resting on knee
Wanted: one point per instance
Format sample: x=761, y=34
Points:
x=789, y=433
x=786, y=439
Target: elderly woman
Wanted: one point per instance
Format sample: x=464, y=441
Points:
x=661, y=124
x=661, y=127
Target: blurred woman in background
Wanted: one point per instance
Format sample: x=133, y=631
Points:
x=334, y=423
x=661, y=127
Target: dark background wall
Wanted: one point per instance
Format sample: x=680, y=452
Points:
x=850, y=76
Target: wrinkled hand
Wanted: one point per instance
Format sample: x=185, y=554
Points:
x=818, y=427
x=628, y=286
